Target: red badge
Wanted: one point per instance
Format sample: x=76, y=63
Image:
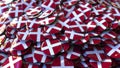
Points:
x=51, y=47
x=36, y=35
x=96, y=54
x=101, y=24
x=23, y=35
x=101, y=64
x=54, y=28
x=49, y=5
x=77, y=15
x=73, y=35
x=78, y=26
x=12, y=62
x=41, y=56
x=73, y=53
x=46, y=21
x=20, y=45
x=113, y=50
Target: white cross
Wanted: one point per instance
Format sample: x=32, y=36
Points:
x=99, y=63
x=80, y=26
x=114, y=48
x=50, y=46
x=53, y=27
x=32, y=22
x=96, y=12
x=25, y=34
x=90, y=25
x=38, y=34
x=77, y=16
x=100, y=23
x=72, y=33
x=62, y=62
x=43, y=55
x=107, y=16
x=11, y=62
x=71, y=52
x=69, y=11
x=85, y=5
x=24, y=45
x=64, y=23
x=16, y=11
x=20, y=21
x=48, y=6
x=5, y=16
x=46, y=20
x=95, y=51
x=28, y=4
x=84, y=11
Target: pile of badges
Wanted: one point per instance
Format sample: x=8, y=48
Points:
x=59, y=33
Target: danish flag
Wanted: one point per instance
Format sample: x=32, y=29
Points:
x=77, y=15
x=73, y=35
x=19, y=22
x=49, y=4
x=12, y=62
x=46, y=21
x=101, y=24
x=78, y=26
x=51, y=47
x=96, y=54
x=26, y=4
x=113, y=50
x=101, y=64
x=52, y=29
x=41, y=56
x=23, y=35
x=36, y=35
x=16, y=12
x=73, y=53
x=20, y=45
